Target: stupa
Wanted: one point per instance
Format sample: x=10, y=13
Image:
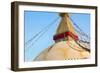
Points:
x=65, y=47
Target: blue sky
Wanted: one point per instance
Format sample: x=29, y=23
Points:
x=35, y=21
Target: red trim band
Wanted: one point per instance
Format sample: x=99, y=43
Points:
x=65, y=34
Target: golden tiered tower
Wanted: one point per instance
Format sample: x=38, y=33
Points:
x=65, y=30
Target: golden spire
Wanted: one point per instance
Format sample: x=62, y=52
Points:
x=65, y=26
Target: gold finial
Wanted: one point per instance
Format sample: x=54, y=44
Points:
x=64, y=14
